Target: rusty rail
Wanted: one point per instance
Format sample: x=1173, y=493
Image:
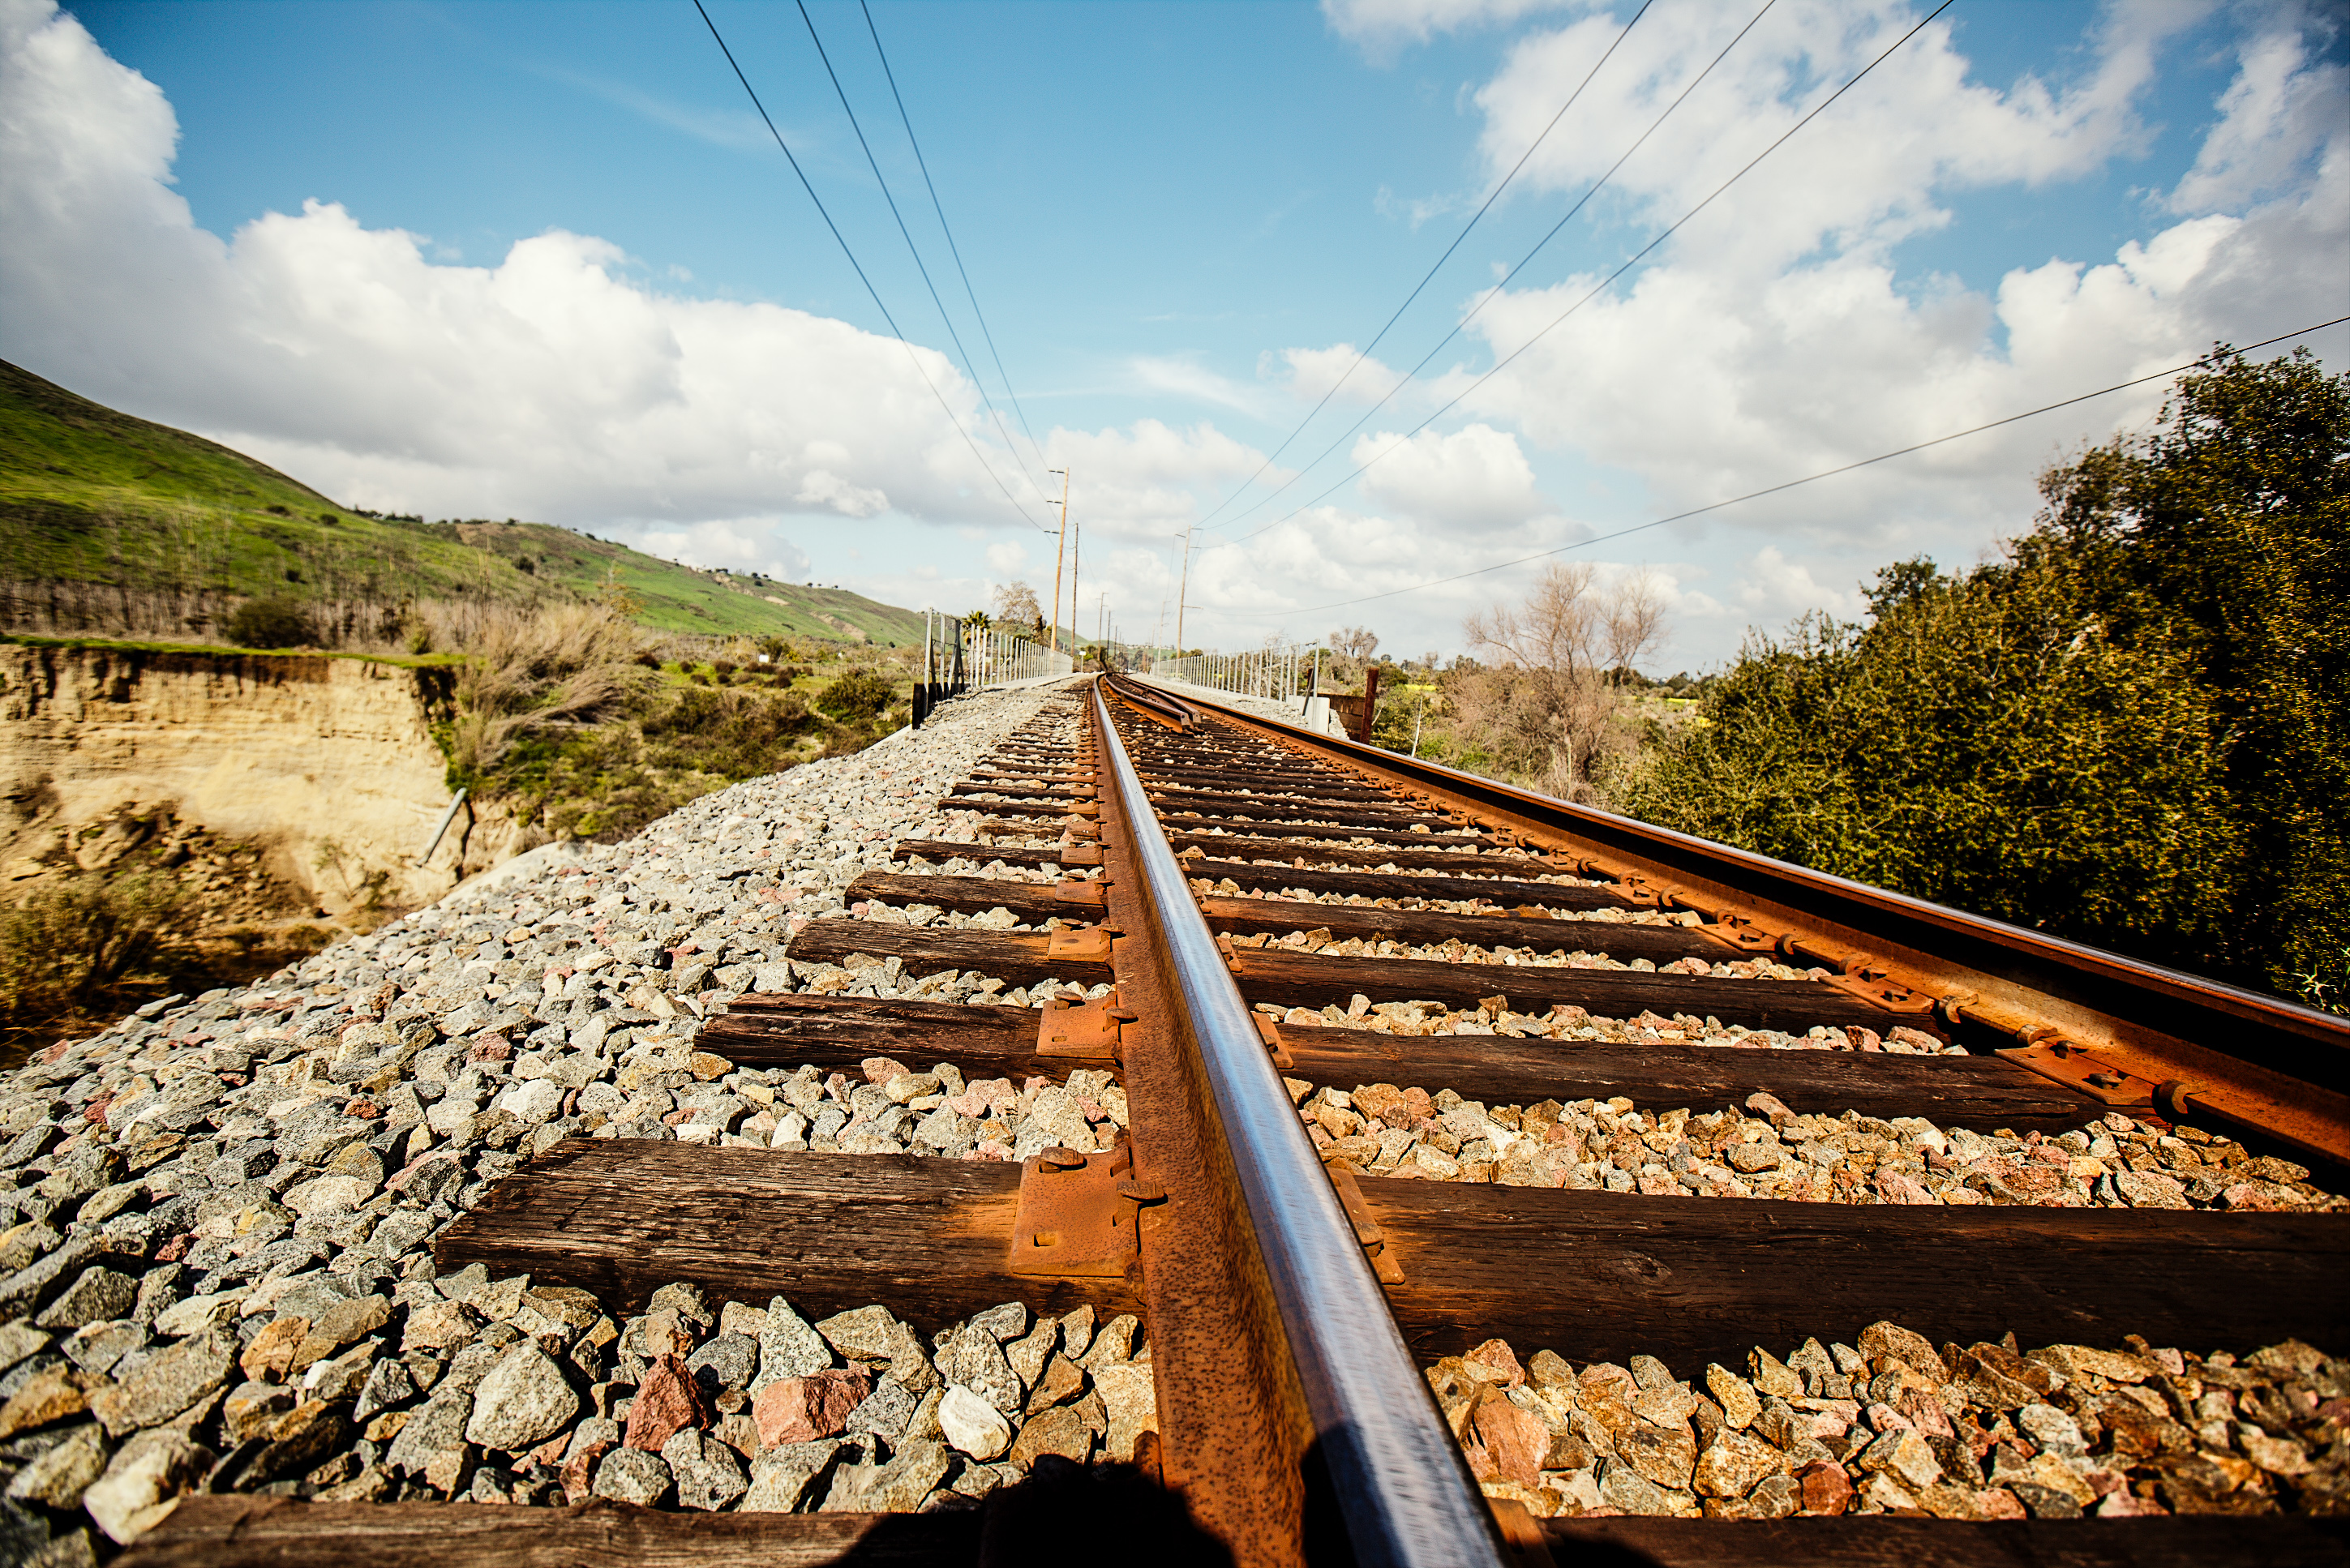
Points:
x=1339, y=1421
x=2125, y=1032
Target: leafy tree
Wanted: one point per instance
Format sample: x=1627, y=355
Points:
x=2133, y=730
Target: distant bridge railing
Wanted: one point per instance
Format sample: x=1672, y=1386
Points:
x=1278, y=672
x=959, y=657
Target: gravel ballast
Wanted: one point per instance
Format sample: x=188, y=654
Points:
x=217, y=1217
x=1896, y=1426
x=2113, y=1162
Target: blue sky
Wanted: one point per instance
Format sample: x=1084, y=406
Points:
x=1179, y=219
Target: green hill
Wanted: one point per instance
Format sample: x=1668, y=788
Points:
x=89, y=495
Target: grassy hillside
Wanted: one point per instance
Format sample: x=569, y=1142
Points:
x=92, y=496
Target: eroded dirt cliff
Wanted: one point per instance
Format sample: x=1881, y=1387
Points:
x=299, y=784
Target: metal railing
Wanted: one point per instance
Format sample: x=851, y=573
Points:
x=959, y=657
x=1279, y=673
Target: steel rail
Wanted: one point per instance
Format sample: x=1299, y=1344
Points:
x=2281, y=1071
x=1380, y=1443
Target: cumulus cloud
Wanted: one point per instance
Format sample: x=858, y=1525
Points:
x=554, y=385
x=1868, y=171
x=740, y=544
x=2283, y=112
x=1469, y=479
x=1137, y=484
x=1779, y=334
x=1783, y=334
x=1313, y=372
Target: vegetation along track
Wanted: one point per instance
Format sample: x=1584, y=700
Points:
x=1465, y=1157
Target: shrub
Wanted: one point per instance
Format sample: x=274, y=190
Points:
x=72, y=940
x=857, y=697
x=733, y=734
x=2133, y=731
x=533, y=670
x=270, y=623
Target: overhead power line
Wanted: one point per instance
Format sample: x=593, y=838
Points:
x=875, y=294
x=1807, y=479
x=1492, y=197
x=952, y=248
x=920, y=265
x=1602, y=286
x=1523, y=262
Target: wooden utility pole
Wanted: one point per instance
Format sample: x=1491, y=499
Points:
x=1060, y=549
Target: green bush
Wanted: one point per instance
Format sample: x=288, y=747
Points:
x=2133, y=731
x=270, y=623
x=857, y=697
x=732, y=734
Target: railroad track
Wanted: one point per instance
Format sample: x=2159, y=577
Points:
x=1423, y=1171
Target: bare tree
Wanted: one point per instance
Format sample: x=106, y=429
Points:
x=1542, y=703
x=1017, y=602
x=1356, y=642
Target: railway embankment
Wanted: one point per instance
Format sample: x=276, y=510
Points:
x=195, y=1190
x=816, y=1157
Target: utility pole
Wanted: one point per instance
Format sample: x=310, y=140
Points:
x=1058, y=549
x=1183, y=589
x=1077, y=559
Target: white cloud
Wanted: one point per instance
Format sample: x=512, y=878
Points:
x=1314, y=371
x=2282, y=111
x=1137, y=484
x=1865, y=173
x=1778, y=335
x=1468, y=481
x=823, y=489
x=1781, y=334
x=552, y=385
x=738, y=543
x=1772, y=587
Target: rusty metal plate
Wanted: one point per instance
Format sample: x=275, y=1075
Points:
x=1880, y=990
x=1078, y=1215
x=1367, y=1228
x=1083, y=895
x=1271, y=1032
x=1089, y=944
x=2086, y=1071
x=1087, y=1031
